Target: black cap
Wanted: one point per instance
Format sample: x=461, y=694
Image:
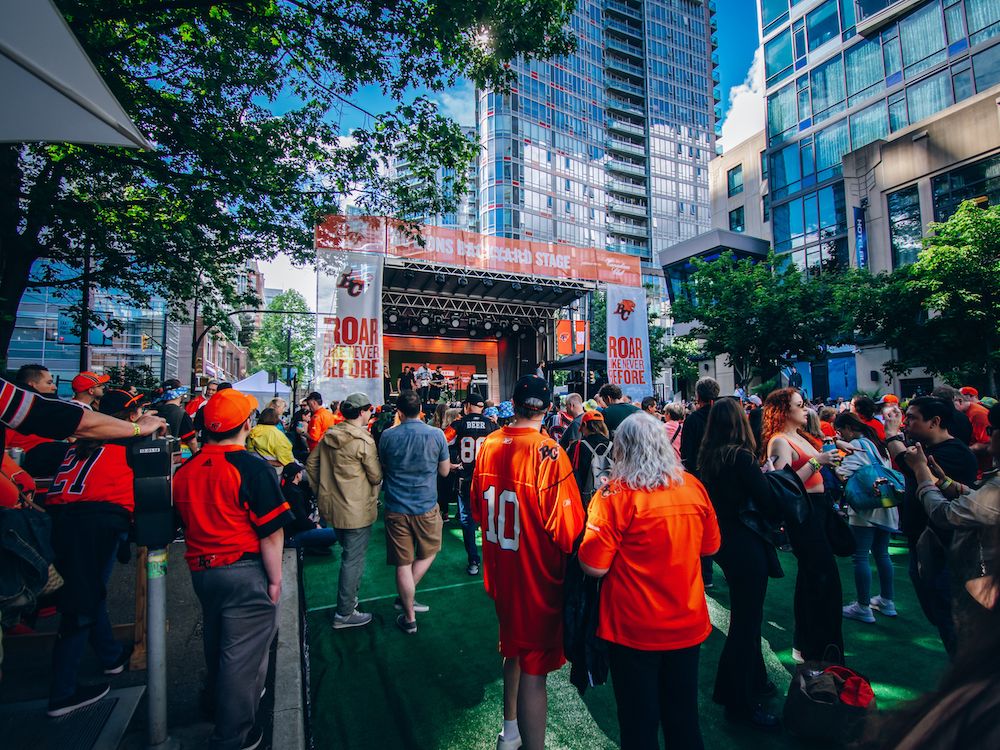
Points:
x=475, y=399
x=529, y=387
x=115, y=401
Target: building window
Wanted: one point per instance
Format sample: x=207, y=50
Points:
x=921, y=36
x=974, y=181
x=905, y=228
x=984, y=20
x=870, y=124
x=737, y=221
x=778, y=57
x=823, y=24
x=781, y=114
x=765, y=205
x=929, y=96
x=734, y=180
x=763, y=166
x=828, y=95
x=865, y=71
x=986, y=68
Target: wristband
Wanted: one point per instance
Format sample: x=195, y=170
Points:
x=136, y=430
x=816, y=466
x=894, y=438
x=945, y=483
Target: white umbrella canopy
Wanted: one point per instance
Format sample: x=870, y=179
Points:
x=51, y=91
x=256, y=385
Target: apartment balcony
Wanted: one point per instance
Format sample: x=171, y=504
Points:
x=628, y=228
x=629, y=248
x=624, y=47
x=625, y=187
x=628, y=207
x=626, y=147
x=624, y=105
x=623, y=9
x=624, y=85
x=625, y=126
x=623, y=66
x=623, y=28
x=626, y=167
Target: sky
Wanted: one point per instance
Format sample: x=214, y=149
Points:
x=741, y=82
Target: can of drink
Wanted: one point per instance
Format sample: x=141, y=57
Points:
x=16, y=455
x=829, y=444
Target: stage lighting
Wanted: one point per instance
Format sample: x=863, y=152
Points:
x=515, y=327
x=463, y=281
x=393, y=318
x=439, y=278
x=516, y=286
x=498, y=334
x=442, y=330
x=473, y=332
x=409, y=275
x=537, y=288
x=488, y=283
x=414, y=328
x=455, y=322
x=541, y=330
x=488, y=325
x=425, y=320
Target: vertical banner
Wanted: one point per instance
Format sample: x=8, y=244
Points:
x=349, y=324
x=628, y=341
x=861, y=237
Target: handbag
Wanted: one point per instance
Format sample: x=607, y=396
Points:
x=873, y=486
x=827, y=702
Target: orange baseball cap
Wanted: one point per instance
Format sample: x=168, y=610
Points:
x=593, y=416
x=890, y=398
x=968, y=390
x=227, y=410
x=86, y=380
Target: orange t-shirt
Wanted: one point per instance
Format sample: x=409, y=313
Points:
x=877, y=426
x=320, y=421
x=827, y=428
x=653, y=597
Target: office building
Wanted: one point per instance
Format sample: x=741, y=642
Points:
x=610, y=146
x=841, y=75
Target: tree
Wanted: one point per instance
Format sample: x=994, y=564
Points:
x=269, y=349
x=231, y=177
x=684, y=353
x=760, y=315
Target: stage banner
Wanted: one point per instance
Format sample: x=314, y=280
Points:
x=349, y=324
x=628, y=341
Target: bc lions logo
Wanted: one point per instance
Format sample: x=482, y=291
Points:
x=549, y=452
x=625, y=308
x=354, y=282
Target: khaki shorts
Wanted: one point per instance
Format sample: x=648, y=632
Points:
x=409, y=538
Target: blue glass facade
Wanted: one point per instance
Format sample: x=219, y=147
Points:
x=839, y=78
x=608, y=147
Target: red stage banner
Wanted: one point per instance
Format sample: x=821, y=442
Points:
x=456, y=247
x=567, y=342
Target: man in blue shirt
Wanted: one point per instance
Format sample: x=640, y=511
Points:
x=413, y=454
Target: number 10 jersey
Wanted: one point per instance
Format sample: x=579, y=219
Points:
x=525, y=498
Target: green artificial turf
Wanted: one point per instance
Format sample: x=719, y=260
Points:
x=441, y=689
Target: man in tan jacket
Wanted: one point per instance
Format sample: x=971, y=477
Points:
x=345, y=474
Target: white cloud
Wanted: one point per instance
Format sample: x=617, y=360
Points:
x=460, y=103
x=281, y=274
x=745, y=116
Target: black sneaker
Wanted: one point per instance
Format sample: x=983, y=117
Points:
x=473, y=569
x=84, y=696
x=407, y=626
x=121, y=663
x=254, y=737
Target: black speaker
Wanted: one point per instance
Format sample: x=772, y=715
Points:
x=151, y=459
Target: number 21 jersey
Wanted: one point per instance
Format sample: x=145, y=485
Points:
x=526, y=500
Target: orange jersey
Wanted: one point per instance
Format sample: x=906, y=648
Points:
x=652, y=597
x=525, y=498
x=320, y=421
x=102, y=477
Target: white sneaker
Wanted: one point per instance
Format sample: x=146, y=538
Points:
x=855, y=611
x=354, y=620
x=797, y=656
x=885, y=606
x=503, y=744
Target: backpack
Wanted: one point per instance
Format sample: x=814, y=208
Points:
x=600, y=468
x=873, y=486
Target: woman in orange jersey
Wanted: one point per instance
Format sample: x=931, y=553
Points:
x=817, y=605
x=646, y=532
x=91, y=501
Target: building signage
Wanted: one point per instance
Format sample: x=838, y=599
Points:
x=472, y=250
x=861, y=237
x=628, y=341
x=349, y=324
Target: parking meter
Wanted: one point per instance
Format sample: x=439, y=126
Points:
x=151, y=460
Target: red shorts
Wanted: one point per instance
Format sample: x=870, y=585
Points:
x=537, y=662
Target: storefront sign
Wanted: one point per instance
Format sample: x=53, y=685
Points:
x=861, y=237
x=349, y=324
x=628, y=341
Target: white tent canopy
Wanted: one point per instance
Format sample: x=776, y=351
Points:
x=257, y=385
x=50, y=88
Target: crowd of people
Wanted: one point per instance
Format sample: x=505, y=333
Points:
x=646, y=496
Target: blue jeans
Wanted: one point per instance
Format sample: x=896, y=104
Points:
x=318, y=537
x=870, y=539
x=465, y=519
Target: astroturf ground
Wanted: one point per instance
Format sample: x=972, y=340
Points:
x=441, y=689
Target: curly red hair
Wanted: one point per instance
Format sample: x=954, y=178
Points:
x=776, y=409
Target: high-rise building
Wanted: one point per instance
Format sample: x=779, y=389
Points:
x=608, y=147
x=841, y=75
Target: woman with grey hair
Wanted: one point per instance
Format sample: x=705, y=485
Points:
x=646, y=532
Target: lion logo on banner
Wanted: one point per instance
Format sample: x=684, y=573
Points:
x=625, y=308
x=354, y=281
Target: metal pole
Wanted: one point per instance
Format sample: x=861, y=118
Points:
x=586, y=341
x=156, y=650
x=85, y=312
x=163, y=344
x=195, y=339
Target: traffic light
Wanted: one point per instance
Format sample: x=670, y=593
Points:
x=145, y=342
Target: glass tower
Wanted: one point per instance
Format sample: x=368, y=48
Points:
x=841, y=74
x=608, y=147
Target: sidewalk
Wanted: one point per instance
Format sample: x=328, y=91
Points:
x=27, y=659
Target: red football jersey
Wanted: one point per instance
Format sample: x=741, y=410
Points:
x=526, y=500
x=102, y=477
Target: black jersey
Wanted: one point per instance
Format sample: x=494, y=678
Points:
x=465, y=435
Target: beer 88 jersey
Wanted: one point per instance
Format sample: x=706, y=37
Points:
x=465, y=437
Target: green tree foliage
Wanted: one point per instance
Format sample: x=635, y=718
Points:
x=270, y=345
x=238, y=97
x=683, y=354
x=125, y=376
x=760, y=315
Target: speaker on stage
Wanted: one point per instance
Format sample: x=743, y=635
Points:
x=481, y=385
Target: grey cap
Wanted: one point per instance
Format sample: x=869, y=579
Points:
x=357, y=400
